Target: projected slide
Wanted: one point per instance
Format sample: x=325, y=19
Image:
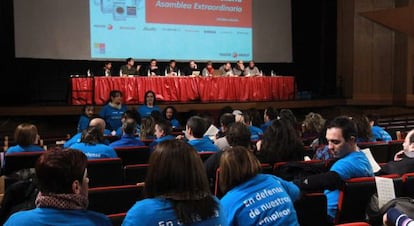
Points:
x=217, y=30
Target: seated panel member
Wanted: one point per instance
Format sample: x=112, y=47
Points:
x=129, y=69
x=251, y=70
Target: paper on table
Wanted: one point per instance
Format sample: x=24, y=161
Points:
x=374, y=164
x=385, y=190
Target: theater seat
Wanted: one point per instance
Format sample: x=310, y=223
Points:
x=135, y=173
x=311, y=210
x=116, y=219
x=105, y=172
x=133, y=155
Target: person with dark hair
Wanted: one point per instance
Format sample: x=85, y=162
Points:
x=378, y=132
x=176, y=193
x=290, y=117
x=107, y=69
x=256, y=132
x=269, y=115
x=194, y=132
x=97, y=121
x=170, y=114
x=226, y=120
x=129, y=115
x=190, y=68
x=238, y=70
x=112, y=111
x=128, y=138
x=248, y=194
x=162, y=132
x=63, y=180
x=129, y=68
x=226, y=69
x=341, y=135
x=252, y=70
x=153, y=69
x=238, y=134
x=149, y=104
x=363, y=128
x=92, y=144
x=208, y=70
x=26, y=137
x=88, y=112
x=280, y=143
x=172, y=69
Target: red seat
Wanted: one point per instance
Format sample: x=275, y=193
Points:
x=133, y=154
x=117, y=218
x=135, y=173
x=205, y=154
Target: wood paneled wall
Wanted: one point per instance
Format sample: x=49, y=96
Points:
x=375, y=63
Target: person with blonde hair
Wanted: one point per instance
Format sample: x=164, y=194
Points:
x=252, y=198
x=177, y=193
x=26, y=137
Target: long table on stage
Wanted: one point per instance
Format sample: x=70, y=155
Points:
x=95, y=90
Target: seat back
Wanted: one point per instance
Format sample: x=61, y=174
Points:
x=266, y=168
x=114, y=199
x=408, y=184
x=204, y=155
x=17, y=161
x=379, y=150
x=105, y=172
x=296, y=169
x=133, y=155
x=135, y=173
x=117, y=218
x=394, y=146
x=311, y=209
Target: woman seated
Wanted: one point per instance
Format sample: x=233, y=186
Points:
x=26, y=138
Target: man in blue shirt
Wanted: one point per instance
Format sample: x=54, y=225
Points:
x=97, y=122
x=194, y=132
x=341, y=135
x=128, y=137
x=163, y=130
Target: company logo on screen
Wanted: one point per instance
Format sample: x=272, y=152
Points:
x=99, y=48
x=109, y=27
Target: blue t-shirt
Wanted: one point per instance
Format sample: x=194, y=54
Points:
x=112, y=116
x=262, y=200
x=18, y=148
x=127, y=141
x=145, y=111
x=83, y=123
x=51, y=216
x=95, y=151
x=175, y=123
x=159, y=140
x=355, y=164
x=77, y=138
x=203, y=144
x=119, y=131
x=380, y=134
x=255, y=133
x=265, y=125
x=159, y=211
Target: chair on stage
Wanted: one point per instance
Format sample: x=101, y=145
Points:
x=105, y=172
x=133, y=155
x=114, y=199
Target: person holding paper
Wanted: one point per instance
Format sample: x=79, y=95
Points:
x=403, y=161
x=395, y=217
x=194, y=132
x=341, y=135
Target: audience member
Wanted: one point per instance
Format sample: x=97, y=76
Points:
x=162, y=132
x=238, y=115
x=280, y=143
x=290, y=117
x=363, y=128
x=112, y=111
x=172, y=69
x=147, y=128
x=256, y=132
x=251, y=70
x=255, y=116
x=92, y=144
x=238, y=70
x=226, y=120
x=191, y=68
x=269, y=115
x=247, y=191
x=170, y=114
x=404, y=160
x=312, y=127
x=129, y=68
x=176, y=193
x=394, y=217
x=27, y=138
x=237, y=135
x=107, y=69
x=341, y=134
x=208, y=70
x=194, y=132
x=131, y=115
x=95, y=121
x=128, y=138
x=63, y=199
x=149, y=104
x=226, y=69
x=88, y=112
x=378, y=132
